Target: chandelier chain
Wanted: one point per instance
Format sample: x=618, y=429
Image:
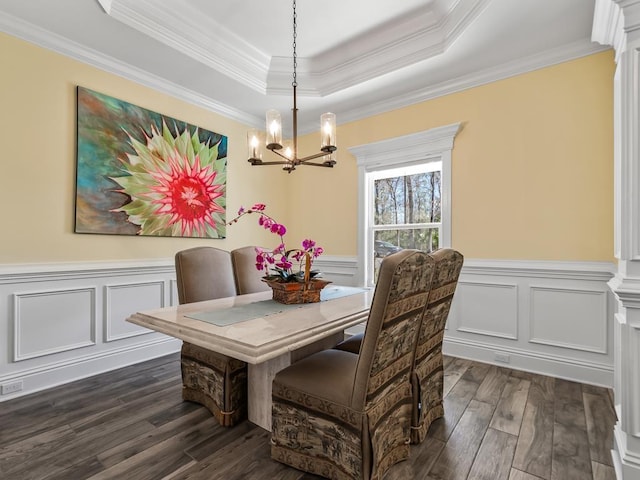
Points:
x=274, y=143
x=295, y=55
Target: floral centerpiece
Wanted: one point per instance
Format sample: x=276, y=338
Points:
x=287, y=271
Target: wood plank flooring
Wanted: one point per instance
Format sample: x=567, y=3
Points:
x=131, y=424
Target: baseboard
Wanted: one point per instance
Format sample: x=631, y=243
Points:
x=567, y=368
x=59, y=373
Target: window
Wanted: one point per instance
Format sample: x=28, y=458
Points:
x=404, y=196
x=405, y=211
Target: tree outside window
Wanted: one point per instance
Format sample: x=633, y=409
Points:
x=406, y=209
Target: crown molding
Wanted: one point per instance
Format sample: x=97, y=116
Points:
x=214, y=46
x=56, y=43
x=48, y=40
x=510, y=69
x=397, y=44
x=608, y=28
x=613, y=20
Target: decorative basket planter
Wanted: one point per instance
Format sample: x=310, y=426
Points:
x=296, y=292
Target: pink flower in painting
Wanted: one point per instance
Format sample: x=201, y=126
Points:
x=174, y=186
x=188, y=194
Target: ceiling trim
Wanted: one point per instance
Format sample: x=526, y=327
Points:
x=45, y=39
x=215, y=46
x=608, y=25
x=33, y=34
x=523, y=65
x=398, y=43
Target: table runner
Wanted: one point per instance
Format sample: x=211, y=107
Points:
x=242, y=313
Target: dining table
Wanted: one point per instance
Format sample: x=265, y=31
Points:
x=266, y=334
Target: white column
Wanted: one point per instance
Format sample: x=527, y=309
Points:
x=617, y=23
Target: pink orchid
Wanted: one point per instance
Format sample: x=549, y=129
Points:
x=282, y=264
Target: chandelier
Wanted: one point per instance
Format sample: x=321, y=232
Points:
x=289, y=153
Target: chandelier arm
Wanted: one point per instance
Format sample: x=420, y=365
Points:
x=311, y=157
x=325, y=164
x=260, y=162
x=287, y=159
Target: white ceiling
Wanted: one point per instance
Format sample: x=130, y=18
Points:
x=356, y=58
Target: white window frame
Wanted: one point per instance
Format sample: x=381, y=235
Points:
x=434, y=145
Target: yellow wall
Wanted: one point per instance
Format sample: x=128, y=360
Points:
x=37, y=180
x=532, y=167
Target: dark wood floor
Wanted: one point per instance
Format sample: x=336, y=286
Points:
x=131, y=424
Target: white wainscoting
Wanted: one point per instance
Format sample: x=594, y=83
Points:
x=64, y=322
x=554, y=318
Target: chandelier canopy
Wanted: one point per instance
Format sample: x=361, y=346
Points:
x=289, y=154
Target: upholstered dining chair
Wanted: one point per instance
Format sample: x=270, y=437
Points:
x=248, y=279
x=346, y=416
x=212, y=379
x=427, y=375
x=427, y=378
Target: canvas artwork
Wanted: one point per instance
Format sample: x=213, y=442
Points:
x=143, y=173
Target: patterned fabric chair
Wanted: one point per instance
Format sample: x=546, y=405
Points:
x=428, y=373
x=345, y=416
x=214, y=380
x=248, y=279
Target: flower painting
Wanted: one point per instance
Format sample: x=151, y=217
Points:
x=143, y=173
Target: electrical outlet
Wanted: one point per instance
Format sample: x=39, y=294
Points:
x=12, y=387
x=502, y=357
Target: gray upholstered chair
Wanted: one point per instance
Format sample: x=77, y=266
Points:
x=428, y=371
x=248, y=279
x=346, y=416
x=214, y=380
x=428, y=374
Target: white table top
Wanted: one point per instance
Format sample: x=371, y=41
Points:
x=259, y=339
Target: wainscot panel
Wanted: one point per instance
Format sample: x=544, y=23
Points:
x=504, y=312
x=557, y=319
x=68, y=321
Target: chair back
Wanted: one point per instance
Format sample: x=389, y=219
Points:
x=248, y=278
x=204, y=273
x=387, y=351
x=427, y=379
x=448, y=264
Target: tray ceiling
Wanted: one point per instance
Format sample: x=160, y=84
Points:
x=355, y=58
